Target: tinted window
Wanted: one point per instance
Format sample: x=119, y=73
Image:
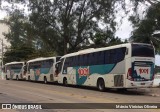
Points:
x=107, y=56
x=73, y=61
x=142, y=50
x=120, y=54
x=47, y=63
x=16, y=66
x=100, y=57
x=96, y=58
x=81, y=62
x=86, y=59
x=114, y=55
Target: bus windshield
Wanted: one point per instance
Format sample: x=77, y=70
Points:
x=142, y=50
x=16, y=66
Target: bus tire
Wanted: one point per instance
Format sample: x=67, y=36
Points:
x=45, y=80
x=17, y=78
x=29, y=78
x=7, y=78
x=65, y=81
x=101, y=85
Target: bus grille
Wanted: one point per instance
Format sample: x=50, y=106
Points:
x=118, y=80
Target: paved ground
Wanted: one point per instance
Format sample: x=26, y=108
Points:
x=12, y=91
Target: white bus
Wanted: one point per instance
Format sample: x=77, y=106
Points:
x=42, y=69
x=15, y=70
x=129, y=65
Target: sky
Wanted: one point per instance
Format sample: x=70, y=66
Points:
x=123, y=32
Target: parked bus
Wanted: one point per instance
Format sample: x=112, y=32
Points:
x=42, y=69
x=129, y=65
x=15, y=70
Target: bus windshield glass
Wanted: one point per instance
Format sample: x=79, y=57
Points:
x=142, y=50
x=16, y=66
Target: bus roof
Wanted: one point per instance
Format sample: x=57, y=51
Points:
x=40, y=59
x=90, y=50
x=15, y=62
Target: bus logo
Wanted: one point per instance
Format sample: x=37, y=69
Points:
x=38, y=72
x=143, y=71
x=83, y=71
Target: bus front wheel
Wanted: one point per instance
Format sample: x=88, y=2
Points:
x=101, y=85
x=7, y=78
x=17, y=78
x=65, y=81
x=45, y=80
x=29, y=79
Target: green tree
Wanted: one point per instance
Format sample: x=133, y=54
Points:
x=71, y=21
x=24, y=53
x=103, y=39
x=16, y=34
x=144, y=30
x=22, y=34
x=19, y=54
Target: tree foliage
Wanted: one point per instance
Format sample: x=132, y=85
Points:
x=24, y=53
x=103, y=39
x=145, y=30
x=18, y=29
x=52, y=25
x=19, y=54
x=71, y=21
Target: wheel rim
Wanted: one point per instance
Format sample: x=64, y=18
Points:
x=101, y=85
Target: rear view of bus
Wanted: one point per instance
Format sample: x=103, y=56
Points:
x=140, y=66
x=15, y=70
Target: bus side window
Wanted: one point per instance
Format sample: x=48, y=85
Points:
x=90, y=58
x=85, y=60
x=106, y=57
x=95, y=58
x=81, y=60
x=101, y=58
x=73, y=61
x=76, y=61
x=121, y=54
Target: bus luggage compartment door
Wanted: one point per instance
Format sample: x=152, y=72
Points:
x=118, y=80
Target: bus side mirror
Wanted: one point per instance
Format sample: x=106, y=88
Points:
x=25, y=68
x=56, y=69
x=56, y=66
x=126, y=51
